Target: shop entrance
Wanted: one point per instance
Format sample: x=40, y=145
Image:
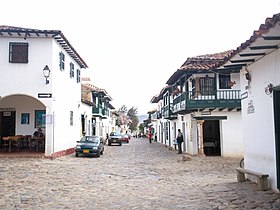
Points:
x=211, y=138
x=7, y=123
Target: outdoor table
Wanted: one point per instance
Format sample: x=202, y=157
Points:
x=10, y=139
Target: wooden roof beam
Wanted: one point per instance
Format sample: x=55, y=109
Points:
x=271, y=37
x=264, y=47
x=243, y=61
x=251, y=54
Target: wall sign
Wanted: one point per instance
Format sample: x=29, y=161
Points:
x=251, y=107
x=7, y=109
x=44, y=95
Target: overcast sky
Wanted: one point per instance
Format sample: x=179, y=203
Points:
x=132, y=47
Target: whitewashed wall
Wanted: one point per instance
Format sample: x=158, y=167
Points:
x=258, y=123
x=28, y=79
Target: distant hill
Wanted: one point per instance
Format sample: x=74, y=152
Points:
x=142, y=117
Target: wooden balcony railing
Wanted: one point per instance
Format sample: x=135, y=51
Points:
x=207, y=99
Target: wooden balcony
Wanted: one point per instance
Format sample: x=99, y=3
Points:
x=168, y=113
x=198, y=100
x=100, y=112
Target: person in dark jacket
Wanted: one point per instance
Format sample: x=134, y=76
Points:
x=180, y=140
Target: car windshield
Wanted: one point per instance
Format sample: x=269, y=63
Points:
x=89, y=139
x=115, y=134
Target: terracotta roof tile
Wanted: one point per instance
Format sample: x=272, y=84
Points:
x=206, y=62
x=264, y=28
x=93, y=88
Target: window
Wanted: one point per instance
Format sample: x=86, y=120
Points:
x=78, y=75
x=207, y=85
x=18, y=52
x=71, y=70
x=224, y=81
x=61, y=61
x=40, y=118
x=71, y=118
x=24, y=118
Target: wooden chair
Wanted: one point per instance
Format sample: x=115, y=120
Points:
x=5, y=143
x=16, y=142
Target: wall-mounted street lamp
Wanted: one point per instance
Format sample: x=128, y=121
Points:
x=46, y=72
x=268, y=89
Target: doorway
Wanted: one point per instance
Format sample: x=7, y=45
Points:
x=7, y=123
x=276, y=97
x=211, y=138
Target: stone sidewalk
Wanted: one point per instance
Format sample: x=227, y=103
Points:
x=138, y=175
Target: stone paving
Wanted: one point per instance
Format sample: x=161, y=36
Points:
x=138, y=175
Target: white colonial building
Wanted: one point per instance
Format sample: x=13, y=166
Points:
x=259, y=58
x=39, y=88
x=202, y=99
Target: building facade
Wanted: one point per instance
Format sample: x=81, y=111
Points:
x=40, y=87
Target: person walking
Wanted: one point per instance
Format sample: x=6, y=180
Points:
x=179, y=139
x=150, y=136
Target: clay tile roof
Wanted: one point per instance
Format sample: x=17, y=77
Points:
x=264, y=28
x=12, y=31
x=206, y=62
x=201, y=63
x=86, y=94
x=93, y=88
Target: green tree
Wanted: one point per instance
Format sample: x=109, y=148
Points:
x=141, y=128
x=132, y=114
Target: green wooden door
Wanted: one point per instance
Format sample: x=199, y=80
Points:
x=276, y=96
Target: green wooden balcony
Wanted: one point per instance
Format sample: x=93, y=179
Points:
x=100, y=112
x=219, y=99
x=168, y=113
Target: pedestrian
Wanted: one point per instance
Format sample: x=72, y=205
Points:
x=179, y=139
x=38, y=133
x=150, y=136
x=107, y=138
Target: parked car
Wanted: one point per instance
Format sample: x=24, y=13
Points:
x=90, y=145
x=125, y=138
x=115, y=138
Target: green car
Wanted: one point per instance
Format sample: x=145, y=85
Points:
x=90, y=146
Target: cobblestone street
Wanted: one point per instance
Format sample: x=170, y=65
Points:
x=137, y=175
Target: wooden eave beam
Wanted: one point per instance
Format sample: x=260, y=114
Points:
x=243, y=61
x=271, y=37
x=251, y=54
x=264, y=47
x=235, y=65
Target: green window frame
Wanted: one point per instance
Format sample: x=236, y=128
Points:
x=224, y=81
x=71, y=70
x=61, y=61
x=78, y=75
x=40, y=119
